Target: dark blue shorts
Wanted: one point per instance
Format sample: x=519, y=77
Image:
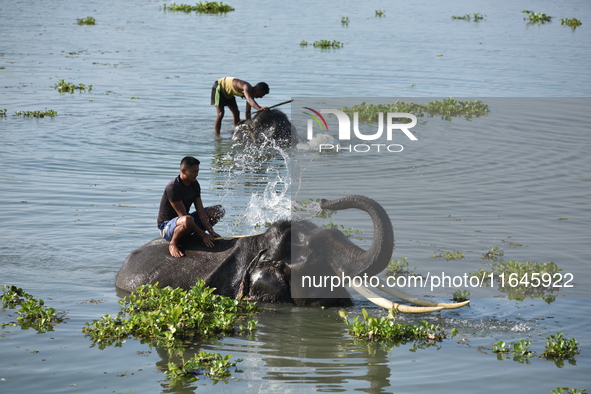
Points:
x=167, y=228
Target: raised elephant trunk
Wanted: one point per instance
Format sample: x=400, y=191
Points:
x=353, y=260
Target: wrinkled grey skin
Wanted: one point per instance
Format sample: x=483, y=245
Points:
x=266, y=125
x=268, y=267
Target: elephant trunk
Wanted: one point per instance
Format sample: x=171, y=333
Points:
x=375, y=259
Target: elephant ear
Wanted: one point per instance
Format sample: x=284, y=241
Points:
x=244, y=287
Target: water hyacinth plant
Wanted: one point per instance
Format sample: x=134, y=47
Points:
x=461, y=295
x=86, y=21
x=559, y=347
x=213, y=365
x=568, y=390
x=447, y=109
x=36, y=114
x=385, y=328
x=32, y=313
x=476, y=17
x=519, y=350
x=493, y=253
x=455, y=255
x=348, y=232
x=65, y=87
x=537, y=17
x=524, y=280
x=167, y=317
x=323, y=44
x=204, y=7
x=397, y=268
x=326, y=44
x=574, y=22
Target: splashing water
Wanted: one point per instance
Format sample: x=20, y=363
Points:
x=248, y=169
x=315, y=142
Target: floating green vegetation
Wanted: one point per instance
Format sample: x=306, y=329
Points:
x=348, y=232
x=397, y=268
x=345, y=21
x=520, y=350
x=558, y=347
x=3, y=113
x=179, y=7
x=36, y=114
x=461, y=295
x=32, y=313
x=537, y=17
x=455, y=255
x=324, y=44
x=477, y=17
x=493, y=253
x=213, y=7
x=574, y=22
x=385, y=328
x=380, y=13
x=568, y=390
x=65, y=87
x=204, y=7
x=311, y=208
x=525, y=280
x=87, y=21
x=446, y=108
x=213, y=365
x=167, y=317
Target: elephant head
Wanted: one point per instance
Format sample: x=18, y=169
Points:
x=272, y=124
x=273, y=266
x=322, y=254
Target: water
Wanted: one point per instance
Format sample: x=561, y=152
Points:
x=81, y=190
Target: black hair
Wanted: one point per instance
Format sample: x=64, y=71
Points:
x=262, y=87
x=189, y=161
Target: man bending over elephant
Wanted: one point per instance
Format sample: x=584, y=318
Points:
x=174, y=220
x=223, y=95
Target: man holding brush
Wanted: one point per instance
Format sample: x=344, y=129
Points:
x=224, y=92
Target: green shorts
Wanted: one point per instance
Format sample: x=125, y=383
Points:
x=218, y=99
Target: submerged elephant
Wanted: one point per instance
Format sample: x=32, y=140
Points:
x=274, y=266
x=266, y=125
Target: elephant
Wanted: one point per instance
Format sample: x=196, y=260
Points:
x=271, y=124
x=273, y=266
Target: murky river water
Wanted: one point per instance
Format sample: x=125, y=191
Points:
x=81, y=190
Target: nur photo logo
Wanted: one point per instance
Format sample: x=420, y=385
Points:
x=380, y=140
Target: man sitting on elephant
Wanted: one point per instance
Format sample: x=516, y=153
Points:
x=174, y=220
x=223, y=94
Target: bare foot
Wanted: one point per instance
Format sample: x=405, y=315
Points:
x=175, y=251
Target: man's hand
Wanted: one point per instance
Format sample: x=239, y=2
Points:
x=214, y=234
x=208, y=239
x=264, y=109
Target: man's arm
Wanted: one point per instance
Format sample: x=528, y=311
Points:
x=250, y=102
x=205, y=222
x=179, y=208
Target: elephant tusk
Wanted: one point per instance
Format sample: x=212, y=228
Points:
x=402, y=295
x=237, y=236
x=384, y=303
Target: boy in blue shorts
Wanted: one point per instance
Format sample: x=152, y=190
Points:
x=174, y=220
